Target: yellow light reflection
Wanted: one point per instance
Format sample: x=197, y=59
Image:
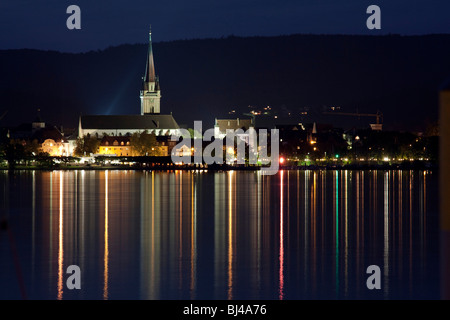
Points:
x=386, y=231
x=258, y=248
x=336, y=222
x=33, y=226
x=357, y=229
x=306, y=189
x=106, y=253
x=230, y=235
x=193, y=235
x=424, y=210
x=362, y=210
x=180, y=199
x=50, y=242
x=61, y=239
x=153, y=288
x=400, y=222
x=346, y=232
x=313, y=232
x=411, y=177
x=281, y=255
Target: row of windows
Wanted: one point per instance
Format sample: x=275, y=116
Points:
x=117, y=148
x=116, y=143
x=129, y=134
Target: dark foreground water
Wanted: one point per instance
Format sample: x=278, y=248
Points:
x=219, y=235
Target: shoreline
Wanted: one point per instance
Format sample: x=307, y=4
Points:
x=171, y=167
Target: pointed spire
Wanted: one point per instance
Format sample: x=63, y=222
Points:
x=150, y=67
x=80, y=128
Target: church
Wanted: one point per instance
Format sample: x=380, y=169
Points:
x=150, y=117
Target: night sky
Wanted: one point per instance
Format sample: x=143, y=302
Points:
x=42, y=24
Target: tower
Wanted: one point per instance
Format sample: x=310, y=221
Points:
x=38, y=123
x=150, y=92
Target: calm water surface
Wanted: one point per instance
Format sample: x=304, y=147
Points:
x=219, y=235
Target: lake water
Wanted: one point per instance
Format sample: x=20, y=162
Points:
x=219, y=235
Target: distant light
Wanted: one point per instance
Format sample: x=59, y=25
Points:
x=385, y=159
x=337, y=156
x=281, y=160
x=357, y=138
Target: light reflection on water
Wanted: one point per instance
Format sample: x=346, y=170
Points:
x=220, y=235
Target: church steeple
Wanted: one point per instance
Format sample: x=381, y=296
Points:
x=150, y=93
x=150, y=68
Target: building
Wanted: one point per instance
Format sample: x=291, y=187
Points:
x=115, y=146
x=125, y=125
x=149, y=119
x=48, y=138
x=222, y=125
x=56, y=148
x=121, y=146
x=183, y=151
x=150, y=91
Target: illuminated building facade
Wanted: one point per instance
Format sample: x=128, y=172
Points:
x=149, y=119
x=55, y=148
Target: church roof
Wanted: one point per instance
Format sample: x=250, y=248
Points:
x=233, y=124
x=123, y=122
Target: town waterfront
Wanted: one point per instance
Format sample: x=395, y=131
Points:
x=299, y=234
